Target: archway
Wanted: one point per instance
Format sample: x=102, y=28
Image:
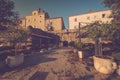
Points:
x=65, y=43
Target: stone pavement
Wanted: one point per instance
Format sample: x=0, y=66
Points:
x=57, y=64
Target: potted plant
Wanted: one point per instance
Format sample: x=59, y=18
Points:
x=84, y=49
x=97, y=31
x=15, y=36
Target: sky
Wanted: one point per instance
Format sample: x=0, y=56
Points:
x=58, y=8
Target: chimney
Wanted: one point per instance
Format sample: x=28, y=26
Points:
x=89, y=11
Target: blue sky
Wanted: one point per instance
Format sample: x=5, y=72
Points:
x=58, y=8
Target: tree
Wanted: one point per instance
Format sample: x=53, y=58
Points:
x=10, y=30
x=114, y=26
x=15, y=36
x=93, y=31
x=99, y=31
x=114, y=5
x=7, y=15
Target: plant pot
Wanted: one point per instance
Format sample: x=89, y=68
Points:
x=13, y=61
x=104, y=65
x=83, y=54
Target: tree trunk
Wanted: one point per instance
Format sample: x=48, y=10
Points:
x=97, y=47
x=15, y=49
x=100, y=49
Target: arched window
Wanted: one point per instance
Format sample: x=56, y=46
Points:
x=34, y=13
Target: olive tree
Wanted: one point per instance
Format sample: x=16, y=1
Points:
x=10, y=30
x=94, y=32
x=15, y=37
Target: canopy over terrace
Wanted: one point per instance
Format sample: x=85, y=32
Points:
x=42, y=39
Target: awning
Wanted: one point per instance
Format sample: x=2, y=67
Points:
x=42, y=36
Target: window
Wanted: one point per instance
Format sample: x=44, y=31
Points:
x=75, y=27
x=75, y=19
x=103, y=15
x=34, y=13
x=94, y=17
x=51, y=23
x=20, y=22
x=88, y=18
x=29, y=20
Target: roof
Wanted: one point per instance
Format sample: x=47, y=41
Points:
x=90, y=12
x=54, y=18
x=42, y=34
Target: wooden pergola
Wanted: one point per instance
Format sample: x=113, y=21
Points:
x=42, y=39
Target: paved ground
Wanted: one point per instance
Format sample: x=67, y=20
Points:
x=58, y=64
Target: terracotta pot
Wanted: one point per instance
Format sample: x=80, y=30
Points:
x=104, y=65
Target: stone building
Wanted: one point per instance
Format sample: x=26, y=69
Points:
x=54, y=24
x=89, y=17
x=41, y=20
x=80, y=20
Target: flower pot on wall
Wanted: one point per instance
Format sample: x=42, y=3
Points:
x=104, y=65
x=13, y=61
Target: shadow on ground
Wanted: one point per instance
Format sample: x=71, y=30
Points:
x=29, y=61
x=39, y=76
x=99, y=76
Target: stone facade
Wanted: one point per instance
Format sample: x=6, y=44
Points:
x=68, y=35
x=41, y=20
x=89, y=17
x=56, y=24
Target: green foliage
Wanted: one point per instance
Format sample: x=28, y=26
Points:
x=4, y=54
x=111, y=32
x=7, y=15
x=72, y=43
x=96, y=31
x=116, y=56
x=114, y=27
x=106, y=31
x=93, y=30
x=14, y=35
x=114, y=5
x=84, y=46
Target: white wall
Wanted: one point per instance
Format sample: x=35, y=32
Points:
x=90, y=17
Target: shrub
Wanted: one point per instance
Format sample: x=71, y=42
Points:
x=72, y=43
x=84, y=46
x=116, y=56
x=4, y=54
